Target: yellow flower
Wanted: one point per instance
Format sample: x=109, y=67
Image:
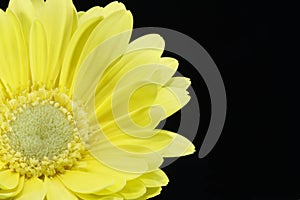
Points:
x=80, y=104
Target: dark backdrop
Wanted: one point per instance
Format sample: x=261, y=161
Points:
x=253, y=44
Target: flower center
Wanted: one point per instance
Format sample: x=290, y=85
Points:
x=39, y=135
x=40, y=131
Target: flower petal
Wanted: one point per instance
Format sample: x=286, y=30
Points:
x=74, y=50
x=5, y=194
x=90, y=15
x=151, y=192
x=138, y=53
x=94, y=166
x=13, y=54
x=133, y=189
x=93, y=67
x=84, y=182
x=157, y=142
x=149, y=41
x=180, y=146
x=38, y=53
x=33, y=189
x=154, y=179
x=112, y=26
x=132, y=161
x=58, y=29
x=173, y=96
x=111, y=198
x=25, y=10
x=98, y=197
x=57, y=191
x=113, y=7
x=167, y=143
x=8, y=180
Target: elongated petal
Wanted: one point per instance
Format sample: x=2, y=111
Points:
x=38, y=53
x=133, y=190
x=109, y=27
x=33, y=189
x=173, y=96
x=94, y=166
x=111, y=198
x=180, y=146
x=59, y=30
x=91, y=70
x=14, y=69
x=74, y=50
x=157, y=142
x=99, y=197
x=154, y=179
x=142, y=51
x=151, y=192
x=57, y=191
x=5, y=194
x=25, y=11
x=8, y=179
x=84, y=182
x=133, y=161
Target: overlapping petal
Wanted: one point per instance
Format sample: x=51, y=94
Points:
x=127, y=88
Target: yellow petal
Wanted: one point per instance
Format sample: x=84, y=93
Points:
x=94, y=166
x=154, y=179
x=14, y=69
x=92, y=14
x=143, y=96
x=167, y=143
x=74, y=50
x=113, y=7
x=58, y=29
x=84, y=182
x=94, y=65
x=116, y=187
x=110, y=29
x=33, y=189
x=98, y=197
x=133, y=189
x=117, y=111
x=88, y=196
x=132, y=161
x=180, y=146
x=165, y=69
x=25, y=12
x=142, y=51
x=157, y=142
x=173, y=96
x=8, y=180
x=111, y=198
x=114, y=24
x=38, y=53
x=146, y=42
x=151, y=192
x=5, y=194
x=91, y=24
x=57, y=191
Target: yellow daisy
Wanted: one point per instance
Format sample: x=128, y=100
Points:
x=80, y=104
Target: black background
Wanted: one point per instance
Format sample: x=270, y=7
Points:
x=253, y=44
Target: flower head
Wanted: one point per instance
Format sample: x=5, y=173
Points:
x=80, y=104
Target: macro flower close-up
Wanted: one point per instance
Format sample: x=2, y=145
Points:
x=80, y=104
